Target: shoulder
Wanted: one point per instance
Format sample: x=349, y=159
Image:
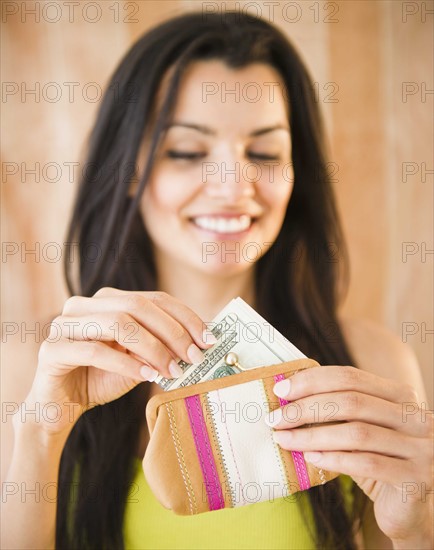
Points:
x=378, y=350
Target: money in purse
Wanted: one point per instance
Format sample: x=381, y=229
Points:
x=244, y=341
x=209, y=444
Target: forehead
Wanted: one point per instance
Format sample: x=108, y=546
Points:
x=231, y=99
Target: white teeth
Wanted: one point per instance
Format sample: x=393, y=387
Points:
x=223, y=225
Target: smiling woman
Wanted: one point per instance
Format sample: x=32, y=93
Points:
x=195, y=169
x=219, y=182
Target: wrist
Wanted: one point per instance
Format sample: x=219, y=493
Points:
x=422, y=539
x=30, y=428
x=50, y=415
x=34, y=435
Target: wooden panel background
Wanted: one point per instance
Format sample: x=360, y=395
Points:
x=362, y=54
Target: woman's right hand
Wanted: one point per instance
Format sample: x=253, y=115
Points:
x=102, y=347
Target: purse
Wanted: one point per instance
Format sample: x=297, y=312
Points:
x=210, y=447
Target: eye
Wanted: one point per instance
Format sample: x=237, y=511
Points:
x=184, y=155
x=260, y=156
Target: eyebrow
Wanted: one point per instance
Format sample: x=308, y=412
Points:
x=208, y=131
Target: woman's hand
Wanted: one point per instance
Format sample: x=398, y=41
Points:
x=385, y=442
x=101, y=347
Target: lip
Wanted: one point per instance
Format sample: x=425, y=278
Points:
x=223, y=215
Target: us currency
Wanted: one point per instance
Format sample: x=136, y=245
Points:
x=239, y=330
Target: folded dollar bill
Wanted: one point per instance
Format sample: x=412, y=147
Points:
x=244, y=341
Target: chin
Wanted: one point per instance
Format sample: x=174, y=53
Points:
x=224, y=269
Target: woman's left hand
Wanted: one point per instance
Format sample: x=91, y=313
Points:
x=385, y=442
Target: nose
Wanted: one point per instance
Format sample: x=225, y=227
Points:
x=230, y=181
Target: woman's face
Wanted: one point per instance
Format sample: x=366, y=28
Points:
x=221, y=182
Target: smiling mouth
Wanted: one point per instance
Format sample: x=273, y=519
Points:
x=224, y=225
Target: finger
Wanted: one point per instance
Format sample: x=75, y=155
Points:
x=387, y=469
x=175, y=308
x=126, y=331
x=346, y=405
x=348, y=436
x=155, y=321
x=336, y=378
x=65, y=356
x=181, y=333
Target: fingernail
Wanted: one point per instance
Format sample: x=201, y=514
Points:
x=175, y=370
x=273, y=418
x=313, y=456
x=282, y=438
x=208, y=338
x=195, y=355
x=282, y=388
x=148, y=373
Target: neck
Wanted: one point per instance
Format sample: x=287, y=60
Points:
x=206, y=295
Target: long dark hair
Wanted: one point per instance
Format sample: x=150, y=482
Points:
x=297, y=280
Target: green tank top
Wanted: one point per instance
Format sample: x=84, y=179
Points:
x=266, y=525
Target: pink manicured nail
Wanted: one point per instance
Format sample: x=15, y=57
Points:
x=148, y=373
x=282, y=388
x=313, y=456
x=208, y=338
x=195, y=355
x=273, y=418
x=281, y=438
x=175, y=370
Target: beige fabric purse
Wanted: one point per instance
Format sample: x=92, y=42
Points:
x=210, y=447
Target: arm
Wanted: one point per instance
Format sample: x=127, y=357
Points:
x=79, y=370
x=379, y=351
x=387, y=452
x=30, y=490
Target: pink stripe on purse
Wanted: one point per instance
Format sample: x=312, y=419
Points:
x=204, y=452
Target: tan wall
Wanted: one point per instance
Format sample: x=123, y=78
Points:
x=360, y=55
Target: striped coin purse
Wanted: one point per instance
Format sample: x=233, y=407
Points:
x=210, y=447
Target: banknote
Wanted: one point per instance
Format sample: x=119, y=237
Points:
x=245, y=340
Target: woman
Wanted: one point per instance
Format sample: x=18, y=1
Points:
x=177, y=162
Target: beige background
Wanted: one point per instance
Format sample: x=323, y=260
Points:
x=361, y=54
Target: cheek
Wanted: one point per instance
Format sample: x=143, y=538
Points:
x=276, y=183
x=172, y=187
x=277, y=196
x=166, y=195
